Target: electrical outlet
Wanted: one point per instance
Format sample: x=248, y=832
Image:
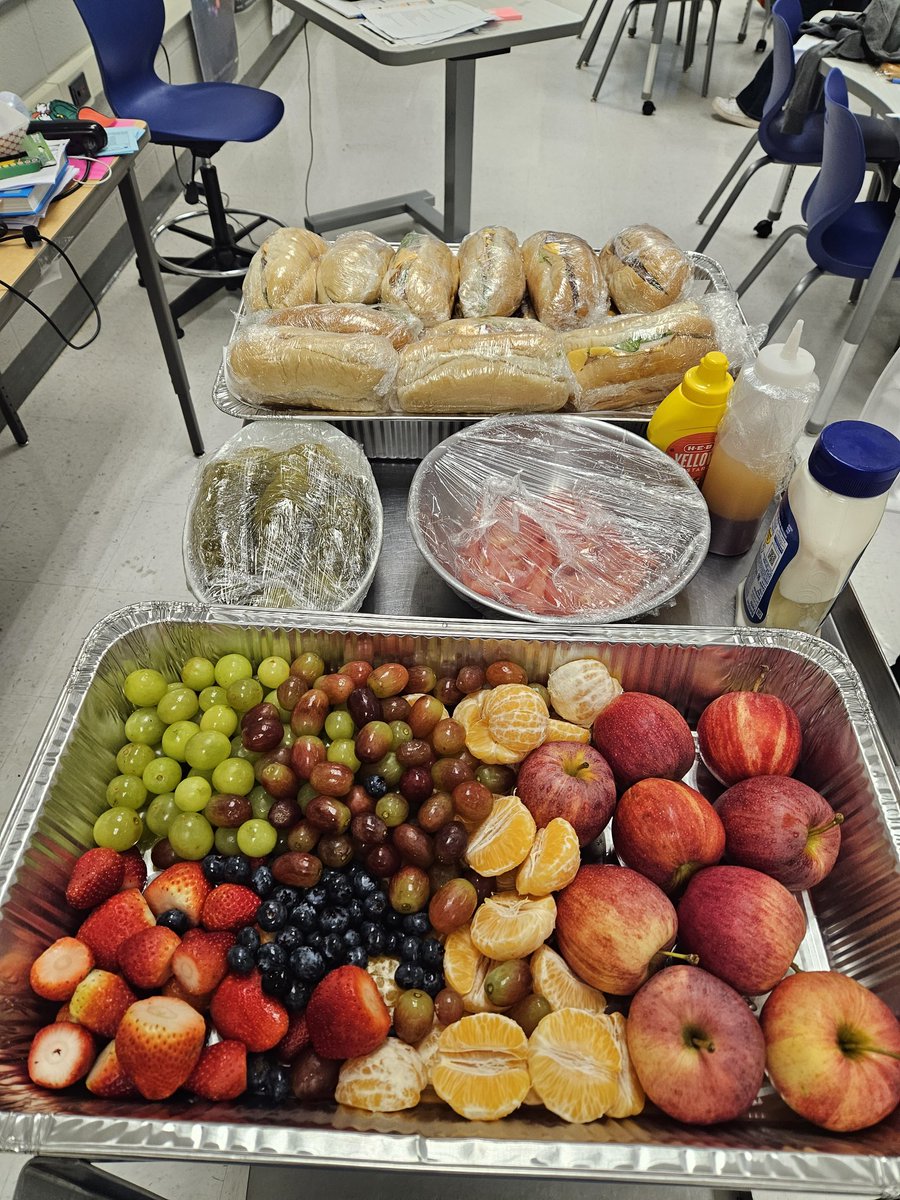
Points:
x=78, y=90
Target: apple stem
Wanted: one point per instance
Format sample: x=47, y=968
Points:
x=887, y=1053
x=760, y=679
x=797, y=970
x=693, y=959
x=837, y=819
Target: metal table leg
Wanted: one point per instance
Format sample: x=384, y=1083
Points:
x=73, y=1179
x=11, y=417
x=165, y=325
x=656, y=37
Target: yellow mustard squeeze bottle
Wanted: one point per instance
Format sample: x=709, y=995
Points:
x=684, y=426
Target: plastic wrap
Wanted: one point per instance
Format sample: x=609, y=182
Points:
x=352, y=268
x=398, y=325
x=499, y=364
x=285, y=515
x=644, y=269
x=762, y=424
x=423, y=276
x=559, y=518
x=491, y=273
x=564, y=280
x=283, y=270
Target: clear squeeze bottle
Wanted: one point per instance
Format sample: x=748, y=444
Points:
x=752, y=453
x=824, y=522
x=684, y=426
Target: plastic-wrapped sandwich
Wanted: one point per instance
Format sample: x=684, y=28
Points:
x=491, y=273
x=644, y=269
x=352, y=268
x=283, y=270
x=564, y=280
x=423, y=277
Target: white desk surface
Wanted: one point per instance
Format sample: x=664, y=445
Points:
x=863, y=80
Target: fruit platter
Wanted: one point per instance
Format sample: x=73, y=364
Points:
x=439, y=893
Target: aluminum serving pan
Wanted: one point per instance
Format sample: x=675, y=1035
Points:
x=856, y=910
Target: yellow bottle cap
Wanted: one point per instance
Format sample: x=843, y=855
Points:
x=708, y=382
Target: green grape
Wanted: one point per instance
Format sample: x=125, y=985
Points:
x=306, y=794
x=288, y=737
x=400, y=733
x=260, y=802
x=161, y=811
x=256, y=838
x=239, y=750
x=210, y=696
x=198, y=673
x=221, y=718
x=207, y=749
x=144, y=688
x=176, y=686
x=231, y=667
x=126, y=791
x=132, y=758
x=234, y=776
x=144, y=727
x=147, y=840
x=244, y=694
x=273, y=671
x=272, y=698
x=162, y=775
x=226, y=841
x=339, y=725
x=191, y=836
x=192, y=794
x=177, y=737
x=118, y=828
x=343, y=750
x=178, y=705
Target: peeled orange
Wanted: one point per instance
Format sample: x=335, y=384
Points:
x=630, y=1097
x=563, y=731
x=481, y=1069
x=574, y=1064
x=508, y=925
x=552, y=861
x=427, y=1049
x=461, y=960
x=581, y=689
x=552, y=978
x=503, y=838
x=389, y=1079
x=382, y=968
x=516, y=717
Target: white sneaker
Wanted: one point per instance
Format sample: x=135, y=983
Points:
x=726, y=109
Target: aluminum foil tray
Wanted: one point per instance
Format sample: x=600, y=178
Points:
x=855, y=912
x=399, y=436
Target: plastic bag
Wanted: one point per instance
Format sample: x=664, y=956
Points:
x=352, y=268
x=491, y=273
x=398, y=325
x=558, y=517
x=644, y=269
x=283, y=270
x=564, y=280
x=285, y=515
x=423, y=276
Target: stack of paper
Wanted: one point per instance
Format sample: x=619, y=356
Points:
x=24, y=199
x=422, y=24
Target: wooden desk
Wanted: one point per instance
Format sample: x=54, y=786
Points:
x=22, y=266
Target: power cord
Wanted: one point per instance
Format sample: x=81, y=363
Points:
x=312, y=144
x=32, y=237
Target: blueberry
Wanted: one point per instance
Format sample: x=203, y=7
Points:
x=307, y=965
x=409, y=949
x=351, y=938
x=275, y=983
x=431, y=953
x=296, y=998
x=339, y=889
x=364, y=884
x=354, y=911
x=271, y=957
x=376, y=786
x=317, y=896
x=248, y=937
x=237, y=869
x=240, y=959
x=392, y=919
x=329, y=875
x=391, y=941
x=271, y=916
x=214, y=867
x=416, y=923
x=375, y=905
x=262, y=881
x=357, y=957
x=408, y=975
x=372, y=937
x=333, y=920
x=315, y=940
x=333, y=950
x=432, y=982
x=175, y=919
x=257, y=1074
x=304, y=916
x=290, y=937
x=285, y=895
x=278, y=1087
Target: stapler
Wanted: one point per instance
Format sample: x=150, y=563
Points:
x=84, y=138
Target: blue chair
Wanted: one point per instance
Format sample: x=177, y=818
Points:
x=790, y=149
x=844, y=236
x=199, y=117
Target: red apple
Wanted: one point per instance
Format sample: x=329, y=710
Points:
x=832, y=1050
x=742, y=734
x=642, y=736
x=667, y=831
x=697, y=1048
x=745, y=927
x=571, y=780
x=779, y=825
x=611, y=925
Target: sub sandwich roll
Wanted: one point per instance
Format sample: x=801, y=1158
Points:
x=283, y=270
x=398, y=325
x=491, y=273
x=564, y=280
x=423, y=276
x=310, y=368
x=352, y=268
x=637, y=360
x=492, y=366
x=644, y=269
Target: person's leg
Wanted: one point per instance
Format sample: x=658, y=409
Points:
x=751, y=100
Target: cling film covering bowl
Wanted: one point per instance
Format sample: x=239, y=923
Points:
x=855, y=913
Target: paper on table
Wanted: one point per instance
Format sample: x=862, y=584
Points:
x=45, y=175
x=34, y=218
x=423, y=24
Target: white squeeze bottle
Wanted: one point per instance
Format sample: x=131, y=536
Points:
x=824, y=522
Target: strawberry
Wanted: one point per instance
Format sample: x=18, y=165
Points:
x=221, y=1072
x=60, y=1055
x=240, y=1009
x=229, y=906
x=65, y=1015
x=346, y=1015
x=174, y=989
x=99, y=1002
x=145, y=959
x=295, y=1040
x=199, y=964
x=183, y=886
x=113, y=923
x=135, y=870
x=96, y=876
x=57, y=972
x=107, y=1078
x=158, y=1043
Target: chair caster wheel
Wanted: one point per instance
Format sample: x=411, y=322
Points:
x=741, y=37
x=648, y=108
x=632, y=33
x=762, y=229
x=179, y=332
x=141, y=283
x=761, y=46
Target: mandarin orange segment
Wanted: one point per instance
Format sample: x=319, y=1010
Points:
x=564, y=731
x=428, y=1047
x=476, y=999
x=382, y=968
x=580, y=689
x=574, y=1064
x=503, y=839
x=480, y=743
x=553, y=978
x=630, y=1098
x=461, y=960
x=469, y=708
x=552, y=861
x=508, y=925
x=516, y=717
x=389, y=1079
x=481, y=1069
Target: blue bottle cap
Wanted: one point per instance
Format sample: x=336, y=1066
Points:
x=855, y=458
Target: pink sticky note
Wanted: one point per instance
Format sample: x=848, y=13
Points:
x=507, y=14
